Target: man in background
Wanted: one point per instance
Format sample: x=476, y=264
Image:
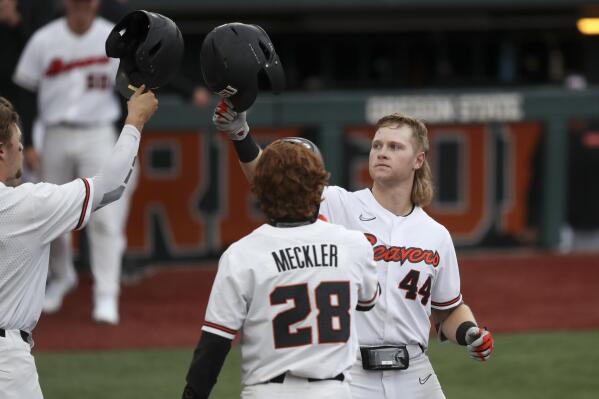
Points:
x=68, y=78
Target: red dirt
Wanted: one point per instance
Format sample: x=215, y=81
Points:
x=507, y=293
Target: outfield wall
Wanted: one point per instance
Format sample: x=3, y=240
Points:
x=499, y=160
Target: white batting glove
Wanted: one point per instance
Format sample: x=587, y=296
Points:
x=230, y=122
x=479, y=343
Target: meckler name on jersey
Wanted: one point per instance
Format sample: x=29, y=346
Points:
x=324, y=255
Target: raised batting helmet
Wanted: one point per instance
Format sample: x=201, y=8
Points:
x=305, y=142
x=150, y=47
x=232, y=55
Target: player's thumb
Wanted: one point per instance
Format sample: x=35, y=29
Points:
x=139, y=91
x=472, y=335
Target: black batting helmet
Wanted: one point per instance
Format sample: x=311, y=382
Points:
x=232, y=55
x=150, y=47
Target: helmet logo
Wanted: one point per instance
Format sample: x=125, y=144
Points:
x=227, y=91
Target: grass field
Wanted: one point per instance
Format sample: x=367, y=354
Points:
x=544, y=366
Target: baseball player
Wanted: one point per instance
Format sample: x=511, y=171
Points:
x=65, y=64
x=416, y=260
x=31, y=217
x=291, y=288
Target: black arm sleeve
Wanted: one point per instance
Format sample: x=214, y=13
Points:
x=208, y=359
x=247, y=149
x=27, y=107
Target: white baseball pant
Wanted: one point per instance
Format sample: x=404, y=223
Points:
x=418, y=381
x=295, y=388
x=71, y=152
x=18, y=375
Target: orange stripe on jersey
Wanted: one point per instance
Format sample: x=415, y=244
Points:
x=219, y=327
x=85, y=204
x=322, y=217
x=455, y=300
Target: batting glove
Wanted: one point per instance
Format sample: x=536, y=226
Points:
x=230, y=122
x=479, y=343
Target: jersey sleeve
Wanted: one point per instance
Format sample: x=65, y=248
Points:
x=332, y=202
x=62, y=208
x=370, y=289
x=228, y=303
x=446, y=289
x=29, y=70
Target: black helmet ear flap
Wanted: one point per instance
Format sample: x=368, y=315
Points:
x=115, y=44
x=127, y=34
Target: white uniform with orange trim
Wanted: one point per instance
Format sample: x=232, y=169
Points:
x=417, y=270
x=78, y=106
x=31, y=216
x=292, y=292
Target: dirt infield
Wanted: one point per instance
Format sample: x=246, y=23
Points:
x=527, y=292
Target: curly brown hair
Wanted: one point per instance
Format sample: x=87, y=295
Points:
x=422, y=190
x=8, y=118
x=288, y=182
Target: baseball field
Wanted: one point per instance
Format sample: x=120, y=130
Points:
x=543, y=309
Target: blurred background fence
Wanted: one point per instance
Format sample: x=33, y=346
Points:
x=507, y=88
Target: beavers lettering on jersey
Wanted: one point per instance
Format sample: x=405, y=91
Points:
x=401, y=254
x=305, y=256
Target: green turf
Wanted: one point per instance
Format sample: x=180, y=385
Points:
x=551, y=365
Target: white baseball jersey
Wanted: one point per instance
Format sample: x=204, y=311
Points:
x=417, y=266
x=71, y=73
x=31, y=216
x=293, y=293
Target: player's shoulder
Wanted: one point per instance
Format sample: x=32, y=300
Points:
x=50, y=31
x=246, y=243
x=428, y=223
x=24, y=192
x=239, y=254
x=340, y=192
x=342, y=233
x=38, y=189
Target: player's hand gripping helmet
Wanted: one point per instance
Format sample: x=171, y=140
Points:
x=232, y=55
x=150, y=47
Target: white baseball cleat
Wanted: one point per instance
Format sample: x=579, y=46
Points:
x=56, y=290
x=106, y=309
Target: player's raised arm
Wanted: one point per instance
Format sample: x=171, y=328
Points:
x=231, y=58
x=113, y=178
x=235, y=125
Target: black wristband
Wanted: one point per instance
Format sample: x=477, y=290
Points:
x=247, y=149
x=460, y=334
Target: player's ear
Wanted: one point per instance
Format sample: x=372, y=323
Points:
x=419, y=161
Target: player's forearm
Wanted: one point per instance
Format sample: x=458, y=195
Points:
x=248, y=152
x=208, y=359
x=113, y=178
x=454, y=324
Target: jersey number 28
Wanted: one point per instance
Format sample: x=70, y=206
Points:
x=333, y=319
